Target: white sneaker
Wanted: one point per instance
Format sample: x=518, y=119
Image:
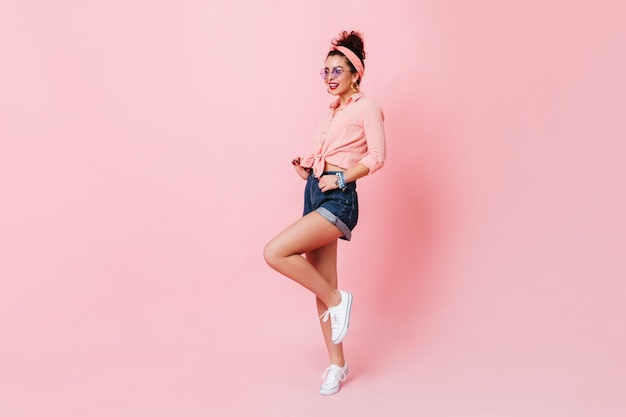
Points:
x=339, y=317
x=332, y=377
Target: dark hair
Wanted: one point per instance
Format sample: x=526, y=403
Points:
x=353, y=41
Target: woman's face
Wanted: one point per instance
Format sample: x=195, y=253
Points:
x=338, y=77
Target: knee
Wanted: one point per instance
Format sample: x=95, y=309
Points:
x=270, y=254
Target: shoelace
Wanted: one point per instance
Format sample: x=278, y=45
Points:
x=333, y=375
x=333, y=318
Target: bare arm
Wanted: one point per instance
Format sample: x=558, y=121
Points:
x=356, y=172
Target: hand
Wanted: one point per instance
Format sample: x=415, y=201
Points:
x=304, y=174
x=328, y=182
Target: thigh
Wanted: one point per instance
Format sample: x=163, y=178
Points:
x=306, y=234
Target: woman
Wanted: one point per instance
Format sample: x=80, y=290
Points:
x=349, y=144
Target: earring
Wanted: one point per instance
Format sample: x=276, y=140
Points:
x=355, y=87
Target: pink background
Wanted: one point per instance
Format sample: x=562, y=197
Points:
x=144, y=163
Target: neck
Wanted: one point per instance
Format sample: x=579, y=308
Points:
x=343, y=99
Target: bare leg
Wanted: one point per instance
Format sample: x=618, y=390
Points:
x=324, y=259
x=284, y=254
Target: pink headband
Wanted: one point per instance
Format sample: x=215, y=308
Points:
x=354, y=60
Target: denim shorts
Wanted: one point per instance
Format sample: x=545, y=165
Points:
x=341, y=208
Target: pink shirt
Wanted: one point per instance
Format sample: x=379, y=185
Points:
x=353, y=135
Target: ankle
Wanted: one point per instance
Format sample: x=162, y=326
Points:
x=336, y=299
x=339, y=362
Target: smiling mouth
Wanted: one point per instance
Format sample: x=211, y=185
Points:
x=332, y=86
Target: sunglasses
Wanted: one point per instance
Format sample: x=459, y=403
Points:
x=336, y=72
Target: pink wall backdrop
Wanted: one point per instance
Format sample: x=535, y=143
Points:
x=144, y=163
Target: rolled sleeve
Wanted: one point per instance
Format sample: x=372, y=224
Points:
x=374, y=130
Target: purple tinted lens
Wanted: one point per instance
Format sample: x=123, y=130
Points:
x=336, y=72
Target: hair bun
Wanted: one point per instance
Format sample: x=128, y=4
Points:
x=352, y=40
